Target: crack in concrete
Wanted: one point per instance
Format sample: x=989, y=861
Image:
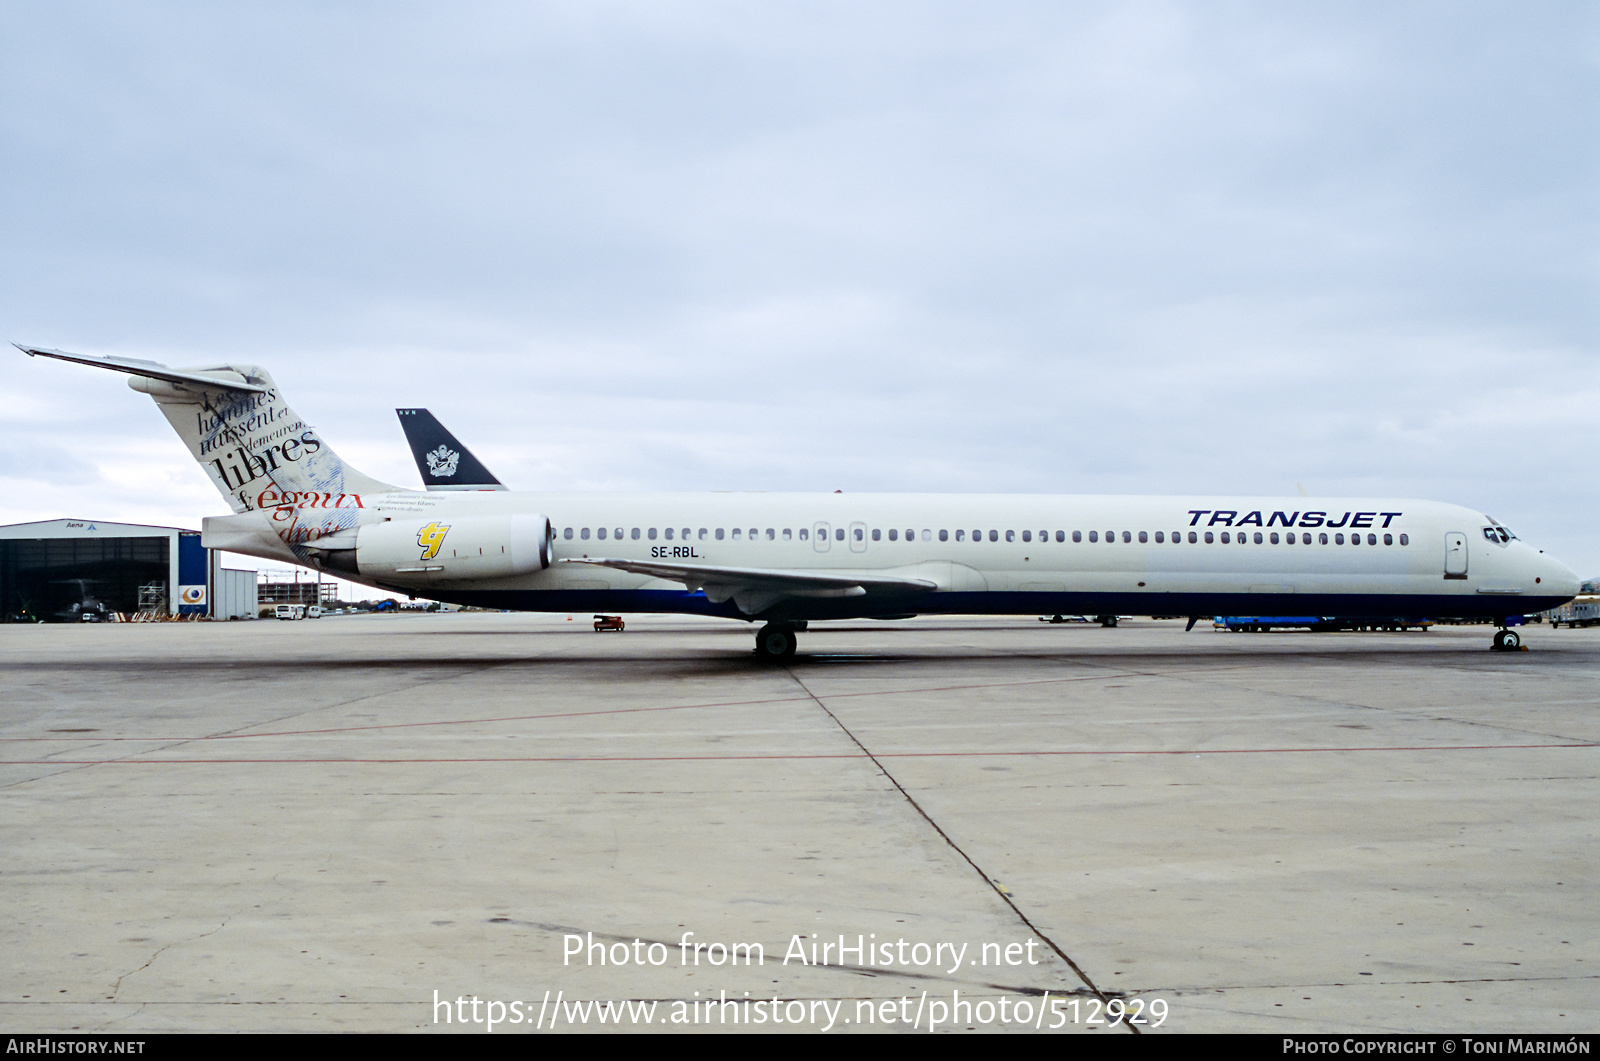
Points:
x=117, y=987
x=990, y=882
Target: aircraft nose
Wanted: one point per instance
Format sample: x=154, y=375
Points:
x=1557, y=578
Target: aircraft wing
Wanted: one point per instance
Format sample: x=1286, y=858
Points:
x=754, y=590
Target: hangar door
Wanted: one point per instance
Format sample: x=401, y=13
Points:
x=41, y=577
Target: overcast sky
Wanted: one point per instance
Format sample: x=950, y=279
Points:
x=1037, y=248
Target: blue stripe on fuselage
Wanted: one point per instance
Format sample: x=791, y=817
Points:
x=678, y=602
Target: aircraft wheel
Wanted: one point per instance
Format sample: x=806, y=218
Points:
x=776, y=643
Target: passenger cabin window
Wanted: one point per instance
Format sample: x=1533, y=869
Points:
x=703, y=533
x=1011, y=536
x=894, y=534
x=1061, y=536
x=1143, y=537
x=1193, y=537
x=786, y=534
x=1094, y=536
x=803, y=534
x=1160, y=537
x=1127, y=537
x=719, y=534
x=584, y=534
x=1225, y=540
x=927, y=535
x=1208, y=537
x=1405, y=539
x=1027, y=536
x=736, y=534
x=858, y=534
x=961, y=535
x=601, y=534
x=651, y=534
x=944, y=535
x=877, y=535
x=667, y=534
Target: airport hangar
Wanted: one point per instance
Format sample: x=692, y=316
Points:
x=49, y=565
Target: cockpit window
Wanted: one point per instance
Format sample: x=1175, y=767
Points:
x=1497, y=534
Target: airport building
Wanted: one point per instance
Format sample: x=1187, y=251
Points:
x=64, y=570
x=308, y=592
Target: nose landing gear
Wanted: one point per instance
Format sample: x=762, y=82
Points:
x=1507, y=641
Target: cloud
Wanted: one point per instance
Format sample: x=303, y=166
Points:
x=1143, y=247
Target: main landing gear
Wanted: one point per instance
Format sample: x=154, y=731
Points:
x=1507, y=641
x=776, y=642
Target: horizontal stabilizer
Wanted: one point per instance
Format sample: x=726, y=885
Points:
x=134, y=366
x=255, y=449
x=444, y=463
x=754, y=590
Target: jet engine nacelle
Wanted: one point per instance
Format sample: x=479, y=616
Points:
x=446, y=549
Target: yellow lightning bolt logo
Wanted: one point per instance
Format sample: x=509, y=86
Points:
x=430, y=538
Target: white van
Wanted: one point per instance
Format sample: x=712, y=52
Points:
x=292, y=611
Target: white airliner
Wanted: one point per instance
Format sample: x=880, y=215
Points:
x=786, y=559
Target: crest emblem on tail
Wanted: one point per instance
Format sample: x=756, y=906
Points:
x=442, y=462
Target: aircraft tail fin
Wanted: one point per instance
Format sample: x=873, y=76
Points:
x=445, y=464
x=257, y=451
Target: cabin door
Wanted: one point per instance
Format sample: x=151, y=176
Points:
x=858, y=537
x=821, y=537
x=1455, y=555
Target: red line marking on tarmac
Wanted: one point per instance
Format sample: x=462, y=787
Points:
x=575, y=714
x=830, y=755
